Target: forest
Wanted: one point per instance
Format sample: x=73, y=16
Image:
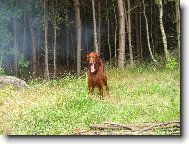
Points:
x=45, y=38
x=43, y=67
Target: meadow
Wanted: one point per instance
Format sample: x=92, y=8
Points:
x=57, y=107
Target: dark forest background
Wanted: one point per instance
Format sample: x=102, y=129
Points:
x=42, y=37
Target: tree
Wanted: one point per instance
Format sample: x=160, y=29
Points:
x=99, y=26
x=47, y=32
x=147, y=33
x=46, y=69
x=129, y=34
x=108, y=29
x=151, y=27
x=140, y=33
x=137, y=28
x=55, y=37
x=78, y=29
x=163, y=31
x=177, y=7
x=15, y=46
x=5, y=35
x=24, y=32
x=115, y=33
x=95, y=32
x=86, y=31
x=67, y=43
x=10, y=13
x=121, y=56
x=33, y=43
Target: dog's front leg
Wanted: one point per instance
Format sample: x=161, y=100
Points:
x=101, y=91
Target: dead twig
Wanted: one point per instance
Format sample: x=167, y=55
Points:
x=168, y=128
x=158, y=125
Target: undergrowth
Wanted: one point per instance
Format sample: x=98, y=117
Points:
x=57, y=107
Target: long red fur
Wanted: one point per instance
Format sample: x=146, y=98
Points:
x=97, y=78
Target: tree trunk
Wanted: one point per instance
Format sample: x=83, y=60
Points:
x=95, y=33
x=155, y=31
x=115, y=34
x=46, y=70
x=73, y=47
x=67, y=46
x=108, y=27
x=99, y=26
x=67, y=42
x=177, y=7
x=38, y=44
x=54, y=44
x=121, y=57
x=163, y=31
x=137, y=35
x=15, y=47
x=147, y=33
x=62, y=42
x=1, y=59
x=78, y=29
x=151, y=27
x=86, y=32
x=141, y=49
x=129, y=34
x=54, y=52
x=34, y=59
x=24, y=34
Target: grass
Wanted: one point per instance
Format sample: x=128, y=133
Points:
x=58, y=106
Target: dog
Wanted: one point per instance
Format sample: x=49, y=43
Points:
x=96, y=74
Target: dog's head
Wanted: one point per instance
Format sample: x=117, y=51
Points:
x=93, y=60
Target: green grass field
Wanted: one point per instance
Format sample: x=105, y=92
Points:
x=138, y=95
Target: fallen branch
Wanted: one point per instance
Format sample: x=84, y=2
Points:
x=159, y=125
x=110, y=125
x=168, y=128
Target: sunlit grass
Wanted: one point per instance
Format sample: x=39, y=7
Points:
x=59, y=106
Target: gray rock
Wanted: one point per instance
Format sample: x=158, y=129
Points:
x=16, y=82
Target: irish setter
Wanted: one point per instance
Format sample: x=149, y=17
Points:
x=96, y=74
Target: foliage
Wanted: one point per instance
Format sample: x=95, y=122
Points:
x=59, y=106
x=165, y=1
x=5, y=35
x=7, y=12
x=22, y=60
x=172, y=63
x=64, y=15
x=1, y=71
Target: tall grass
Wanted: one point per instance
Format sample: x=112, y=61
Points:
x=138, y=95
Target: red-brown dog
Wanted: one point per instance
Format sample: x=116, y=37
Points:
x=96, y=74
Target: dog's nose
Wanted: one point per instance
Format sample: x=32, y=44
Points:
x=90, y=63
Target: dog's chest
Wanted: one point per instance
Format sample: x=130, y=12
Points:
x=95, y=80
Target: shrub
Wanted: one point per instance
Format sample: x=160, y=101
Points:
x=172, y=63
x=1, y=71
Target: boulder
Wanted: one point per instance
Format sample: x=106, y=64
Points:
x=16, y=82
